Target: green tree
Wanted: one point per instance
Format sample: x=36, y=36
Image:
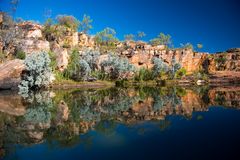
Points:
x=187, y=46
x=162, y=39
x=199, y=46
x=68, y=21
x=85, y=24
x=106, y=37
x=140, y=35
x=129, y=37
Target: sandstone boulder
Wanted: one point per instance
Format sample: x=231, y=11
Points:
x=10, y=74
x=61, y=58
x=33, y=46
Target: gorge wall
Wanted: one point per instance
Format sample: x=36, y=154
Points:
x=31, y=39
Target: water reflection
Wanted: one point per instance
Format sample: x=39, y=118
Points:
x=61, y=116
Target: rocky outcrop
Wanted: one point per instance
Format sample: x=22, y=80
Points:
x=225, y=61
x=31, y=30
x=61, y=55
x=30, y=46
x=85, y=40
x=10, y=74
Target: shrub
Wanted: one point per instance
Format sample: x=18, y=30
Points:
x=85, y=24
x=180, y=73
x=143, y=75
x=78, y=69
x=106, y=37
x=91, y=57
x=68, y=21
x=20, y=54
x=116, y=67
x=37, y=74
x=162, y=39
x=159, y=67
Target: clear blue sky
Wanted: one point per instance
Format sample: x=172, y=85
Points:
x=214, y=23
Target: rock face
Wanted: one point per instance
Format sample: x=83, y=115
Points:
x=10, y=74
x=34, y=46
x=61, y=57
x=31, y=30
x=226, y=61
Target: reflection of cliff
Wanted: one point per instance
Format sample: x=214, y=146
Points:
x=11, y=103
x=69, y=114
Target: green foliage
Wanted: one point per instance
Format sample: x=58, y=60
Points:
x=106, y=37
x=116, y=67
x=180, y=73
x=144, y=75
x=199, y=46
x=187, y=46
x=159, y=68
x=200, y=75
x=220, y=59
x=140, y=35
x=78, y=69
x=20, y=54
x=129, y=37
x=174, y=68
x=162, y=39
x=68, y=21
x=38, y=73
x=91, y=57
x=85, y=24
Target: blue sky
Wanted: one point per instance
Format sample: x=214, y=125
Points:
x=214, y=23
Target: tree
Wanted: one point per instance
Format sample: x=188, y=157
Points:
x=162, y=39
x=158, y=66
x=91, y=57
x=116, y=67
x=68, y=21
x=140, y=34
x=78, y=69
x=199, y=46
x=85, y=24
x=38, y=73
x=187, y=46
x=106, y=37
x=129, y=37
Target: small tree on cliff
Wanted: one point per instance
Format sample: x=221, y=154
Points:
x=140, y=35
x=38, y=73
x=85, y=24
x=162, y=39
x=68, y=21
x=106, y=37
x=129, y=37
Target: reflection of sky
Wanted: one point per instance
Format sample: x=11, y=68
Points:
x=214, y=23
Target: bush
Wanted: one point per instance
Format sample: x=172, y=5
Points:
x=78, y=69
x=68, y=21
x=116, y=67
x=180, y=73
x=144, y=75
x=91, y=57
x=37, y=74
x=159, y=67
x=20, y=54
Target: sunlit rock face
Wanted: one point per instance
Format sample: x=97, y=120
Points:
x=31, y=30
x=85, y=40
x=225, y=61
x=30, y=46
x=61, y=55
x=10, y=73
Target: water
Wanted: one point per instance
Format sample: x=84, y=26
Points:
x=122, y=123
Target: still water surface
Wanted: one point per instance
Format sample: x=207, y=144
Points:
x=122, y=123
